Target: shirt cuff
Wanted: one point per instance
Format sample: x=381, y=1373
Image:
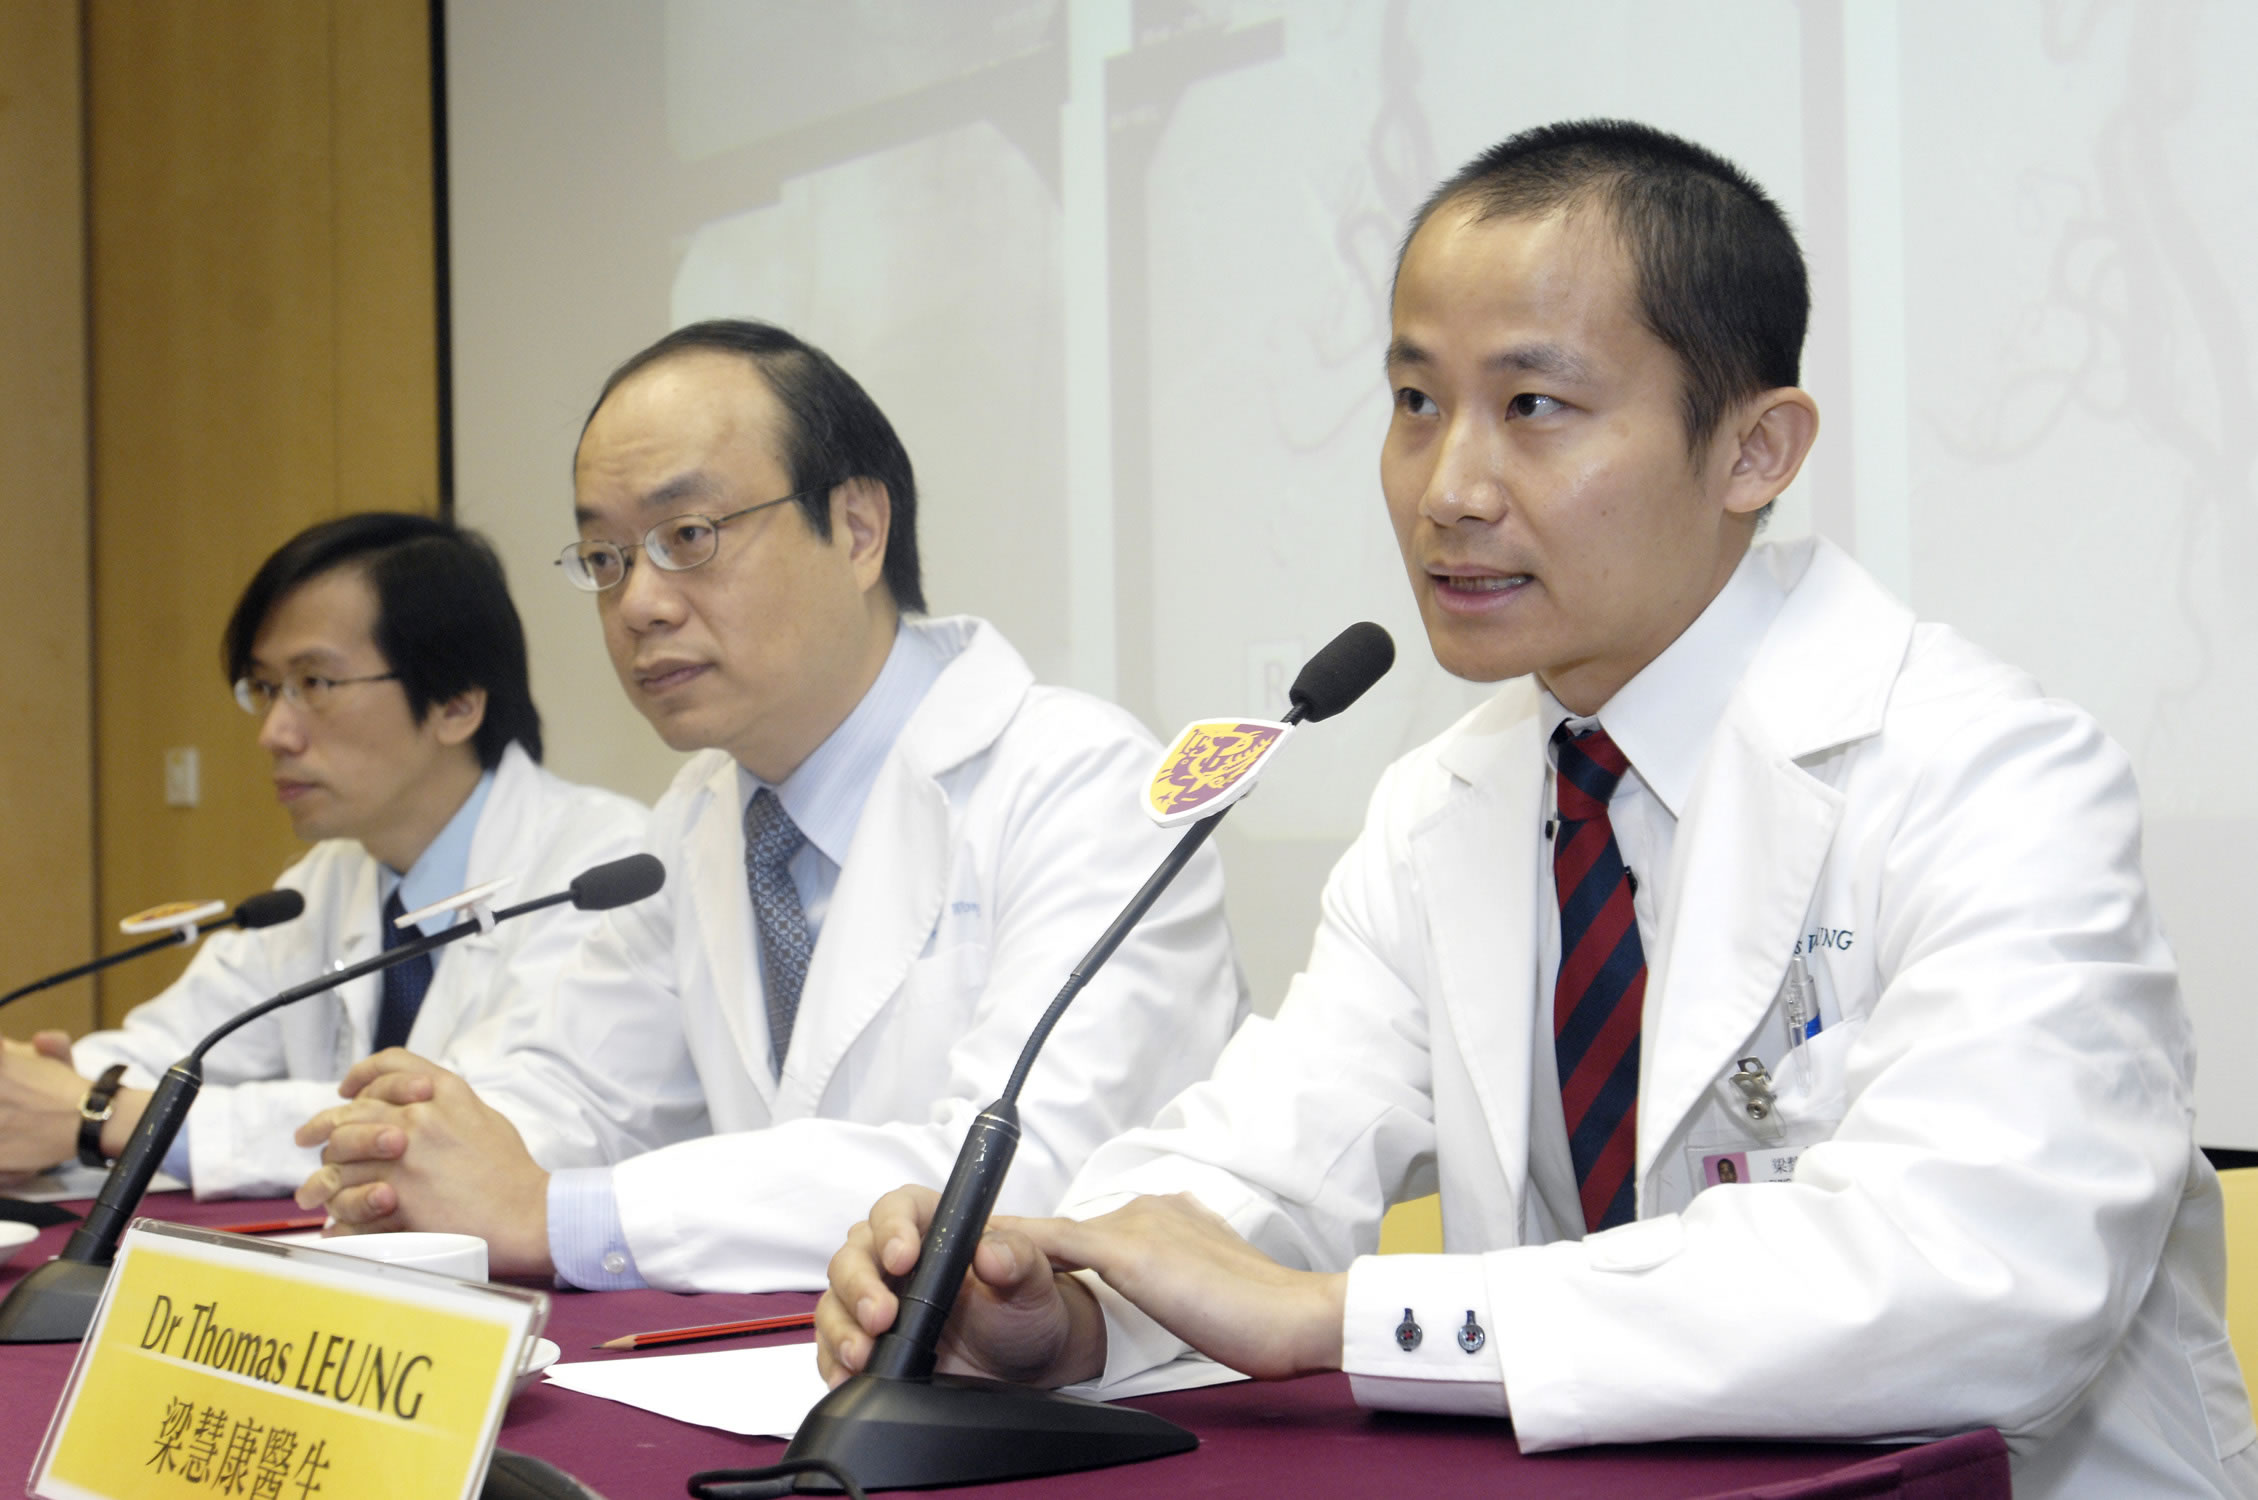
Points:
x=587, y=1241
x=1134, y=1343
x=1438, y=1306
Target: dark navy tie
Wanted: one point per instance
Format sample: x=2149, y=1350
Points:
x=404, y=983
x=1601, y=989
x=771, y=839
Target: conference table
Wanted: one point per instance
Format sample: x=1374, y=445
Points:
x=1304, y=1438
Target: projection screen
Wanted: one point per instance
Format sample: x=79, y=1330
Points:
x=1118, y=271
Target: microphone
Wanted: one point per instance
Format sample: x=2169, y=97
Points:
x=623, y=882
x=55, y=1303
x=266, y=909
x=270, y=909
x=1338, y=675
x=899, y=1425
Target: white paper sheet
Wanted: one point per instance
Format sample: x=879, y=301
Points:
x=754, y=1392
x=765, y=1392
x=75, y=1181
x=1187, y=1373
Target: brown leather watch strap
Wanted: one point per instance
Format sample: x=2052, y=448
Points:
x=94, y=1112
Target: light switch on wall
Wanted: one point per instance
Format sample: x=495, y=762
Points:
x=183, y=783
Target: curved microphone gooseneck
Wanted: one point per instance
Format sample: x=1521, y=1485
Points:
x=266, y=909
x=55, y=1303
x=898, y=1425
x=1331, y=680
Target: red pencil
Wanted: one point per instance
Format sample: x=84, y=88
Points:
x=274, y=1226
x=710, y=1331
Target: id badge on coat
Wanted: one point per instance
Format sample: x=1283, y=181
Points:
x=1713, y=1167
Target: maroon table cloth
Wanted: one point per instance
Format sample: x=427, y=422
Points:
x=1299, y=1437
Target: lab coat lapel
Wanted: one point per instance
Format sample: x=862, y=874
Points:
x=1757, y=829
x=1474, y=860
x=896, y=874
x=1747, y=857
x=360, y=936
x=721, y=904
x=884, y=907
x=464, y=968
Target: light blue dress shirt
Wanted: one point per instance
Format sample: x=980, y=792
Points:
x=440, y=871
x=825, y=797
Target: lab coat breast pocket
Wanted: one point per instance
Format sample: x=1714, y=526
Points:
x=1811, y=1096
x=1803, y=1101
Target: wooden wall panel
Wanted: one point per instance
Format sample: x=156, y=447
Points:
x=46, y=701
x=387, y=406
x=263, y=356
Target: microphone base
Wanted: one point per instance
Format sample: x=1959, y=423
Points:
x=54, y=1304
x=948, y=1429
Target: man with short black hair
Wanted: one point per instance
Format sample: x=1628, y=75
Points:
x=385, y=664
x=1740, y=866
x=889, y=852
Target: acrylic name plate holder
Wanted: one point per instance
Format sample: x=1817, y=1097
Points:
x=226, y=1366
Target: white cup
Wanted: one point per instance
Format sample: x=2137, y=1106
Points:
x=460, y=1255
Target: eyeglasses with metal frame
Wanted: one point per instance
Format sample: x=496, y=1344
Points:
x=676, y=544
x=305, y=690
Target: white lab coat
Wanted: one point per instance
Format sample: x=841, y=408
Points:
x=1000, y=838
x=1999, y=1218
x=263, y=1082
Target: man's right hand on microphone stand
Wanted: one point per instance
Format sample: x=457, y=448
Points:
x=1022, y=1317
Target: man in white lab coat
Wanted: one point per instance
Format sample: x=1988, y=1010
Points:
x=384, y=662
x=884, y=863
x=1766, y=981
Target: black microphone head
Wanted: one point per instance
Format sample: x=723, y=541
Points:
x=270, y=908
x=623, y=882
x=1338, y=675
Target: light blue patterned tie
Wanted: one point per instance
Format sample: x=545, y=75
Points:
x=771, y=839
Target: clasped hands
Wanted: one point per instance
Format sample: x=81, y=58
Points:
x=416, y=1148
x=1020, y=1316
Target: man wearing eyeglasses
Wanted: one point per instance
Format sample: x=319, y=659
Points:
x=385, y=666
x=892, y=850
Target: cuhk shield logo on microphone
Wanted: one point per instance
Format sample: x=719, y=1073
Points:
x=1213, y=764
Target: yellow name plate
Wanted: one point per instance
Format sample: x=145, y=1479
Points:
x=225, y=1366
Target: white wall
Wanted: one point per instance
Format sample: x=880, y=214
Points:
x=1118, y=271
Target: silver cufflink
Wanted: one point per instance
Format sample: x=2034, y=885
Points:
x=1408, y=1333
x=1471, y=1337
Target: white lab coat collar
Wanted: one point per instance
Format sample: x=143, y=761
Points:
x=1663, y=718
x=826, y=794
x=1758, y=826
x=443, y=867
x=890, y=885
x=509, y=800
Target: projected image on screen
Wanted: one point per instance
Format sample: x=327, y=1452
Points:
x=1119, y=271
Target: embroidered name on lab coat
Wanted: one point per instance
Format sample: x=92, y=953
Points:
x=1836, y=938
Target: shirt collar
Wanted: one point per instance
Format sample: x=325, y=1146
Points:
x=444, y=866
x=825, y=794
x=1662, y=719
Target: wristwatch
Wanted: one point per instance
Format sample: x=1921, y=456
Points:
x=94, y=1112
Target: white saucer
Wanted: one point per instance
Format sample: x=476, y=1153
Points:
x=14, y=1236
x=539, y=1355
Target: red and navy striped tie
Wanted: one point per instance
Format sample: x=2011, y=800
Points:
x=1596, y=1000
